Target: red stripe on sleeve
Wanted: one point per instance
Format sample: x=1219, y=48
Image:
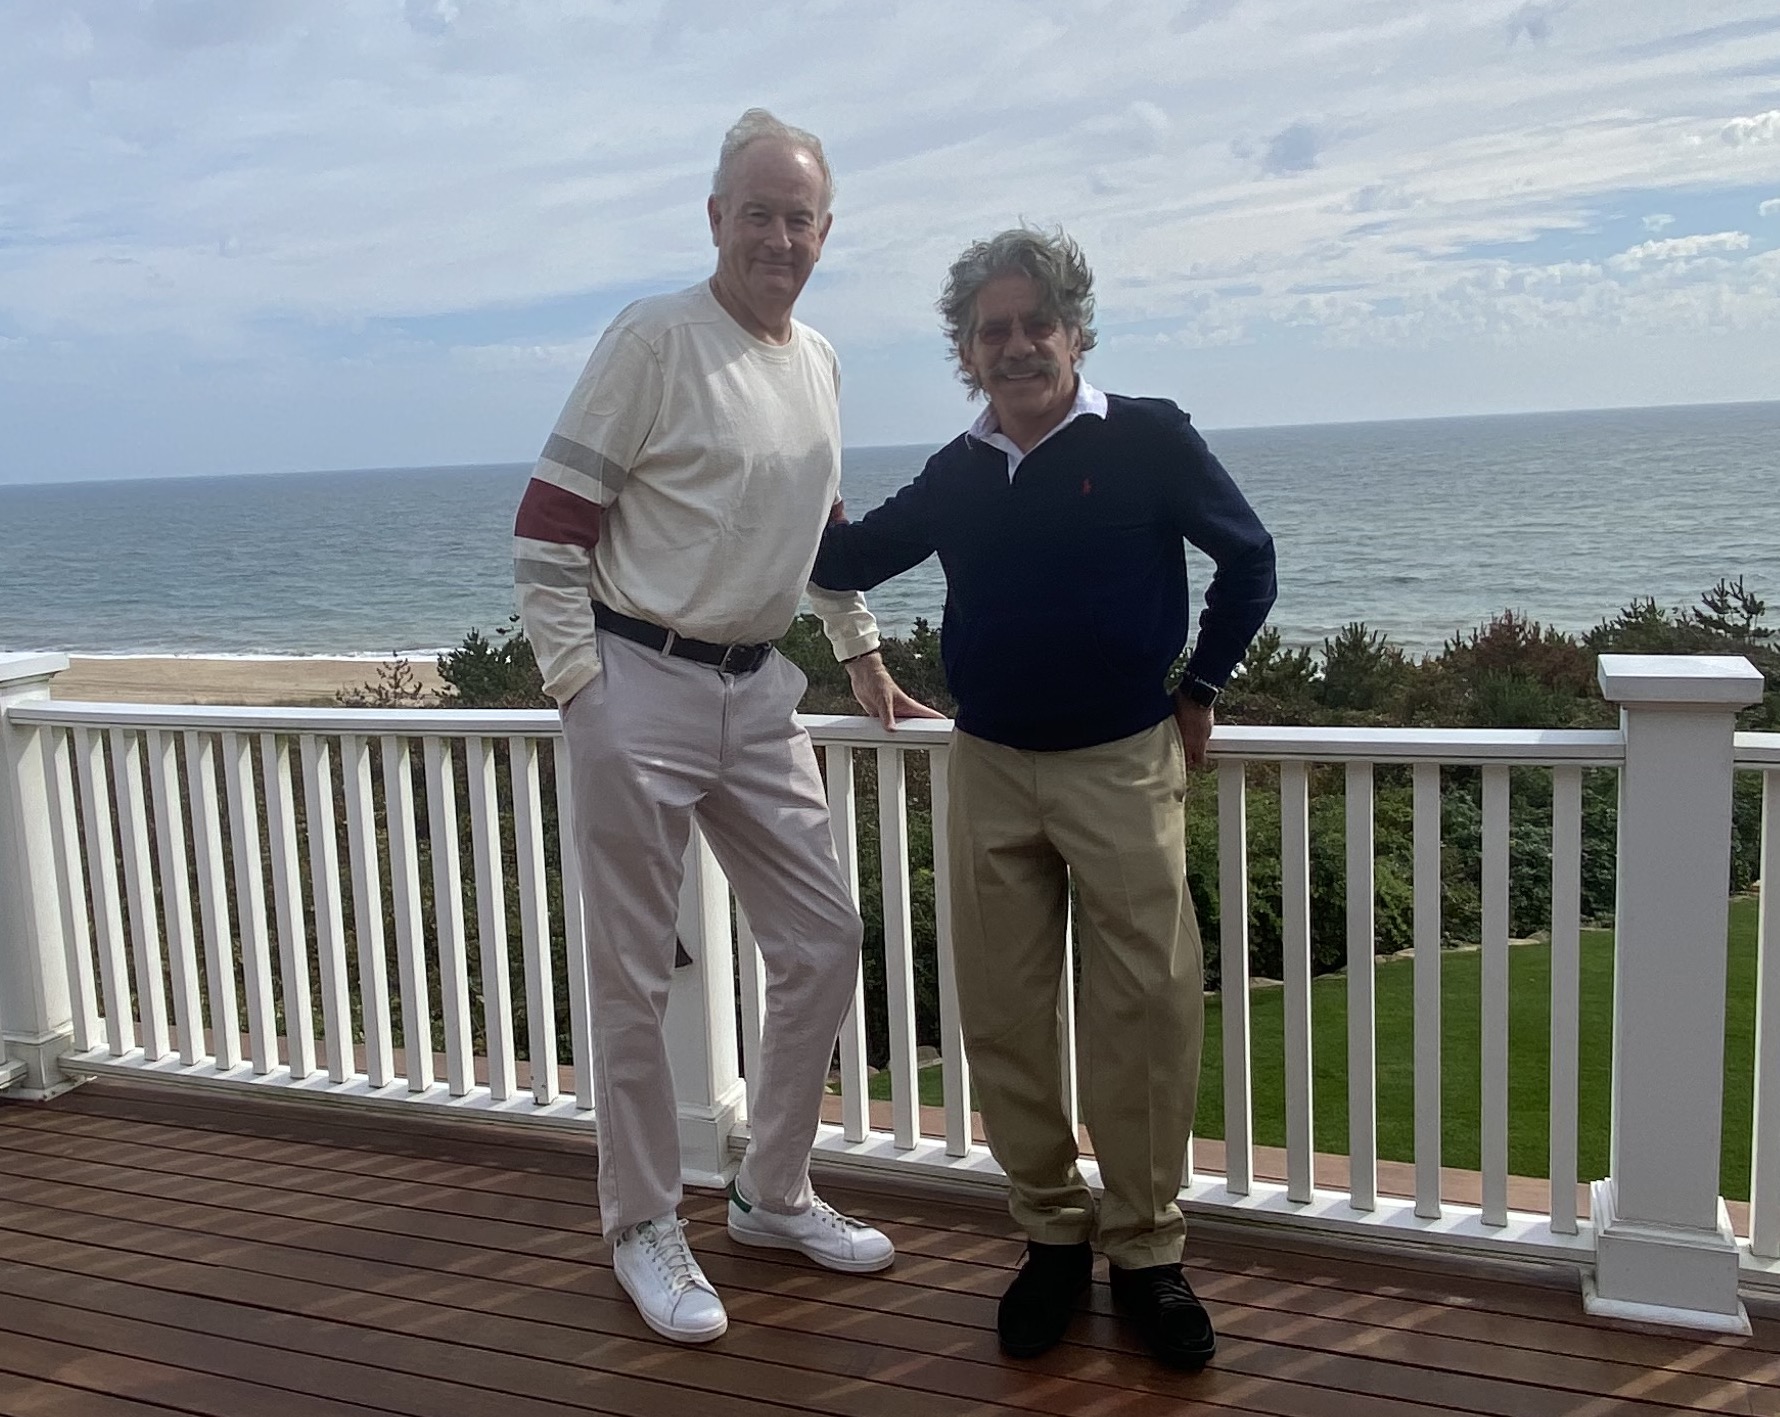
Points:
x=551, y=513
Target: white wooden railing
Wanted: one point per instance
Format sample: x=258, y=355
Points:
x=175, y=901
x=1760, y=753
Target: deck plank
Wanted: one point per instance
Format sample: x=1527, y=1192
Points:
x=1583, y=1342
x=171, y=1244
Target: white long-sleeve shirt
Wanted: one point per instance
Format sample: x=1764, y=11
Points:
x=687, y=483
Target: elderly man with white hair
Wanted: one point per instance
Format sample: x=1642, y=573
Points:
x=661, y=546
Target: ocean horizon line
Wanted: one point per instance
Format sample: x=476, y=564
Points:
x=517, y=463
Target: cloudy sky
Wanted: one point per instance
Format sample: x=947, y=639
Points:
x=248, y=235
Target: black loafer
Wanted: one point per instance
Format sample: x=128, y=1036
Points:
x=1040, y=1302
x=1160, y=1304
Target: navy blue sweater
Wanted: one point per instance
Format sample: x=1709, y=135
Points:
x=1066, y=589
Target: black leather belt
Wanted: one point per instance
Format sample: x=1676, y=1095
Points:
x=730, y=659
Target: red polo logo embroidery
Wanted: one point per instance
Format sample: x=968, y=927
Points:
x=1087, y=485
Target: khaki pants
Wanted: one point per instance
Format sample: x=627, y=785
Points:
x=1111, y=819
x=654, y=743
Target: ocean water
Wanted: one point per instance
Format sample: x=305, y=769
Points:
x=1420, y=529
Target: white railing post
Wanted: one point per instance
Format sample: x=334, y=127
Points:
x=701, y=1024
x=1665, y=1251
x=36, y=1013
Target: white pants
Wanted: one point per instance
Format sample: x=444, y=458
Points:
x=655, y=742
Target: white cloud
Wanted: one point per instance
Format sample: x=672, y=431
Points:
x=281, y=185
x=1139, y=127
x=1679, y=248
x=1771, y=207
x=1761, y=128
x=509, y=357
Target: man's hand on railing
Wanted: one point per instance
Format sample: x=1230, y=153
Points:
x=880, y=695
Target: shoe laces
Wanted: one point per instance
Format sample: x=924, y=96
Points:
x=832, y=1218
x=671, y=1254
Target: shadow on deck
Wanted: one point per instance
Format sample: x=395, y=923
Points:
x=170, y=1253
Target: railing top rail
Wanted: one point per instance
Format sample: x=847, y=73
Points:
x=1526, y=746
x=406, y=722
x=1529, y=747
x=1757, y=750
x=844, y=728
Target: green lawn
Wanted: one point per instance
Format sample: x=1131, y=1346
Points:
x=1529, y=1059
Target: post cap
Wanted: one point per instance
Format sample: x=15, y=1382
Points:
x=22, y=668
x=1722, y=681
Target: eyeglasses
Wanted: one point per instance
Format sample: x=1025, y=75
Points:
x=1038, y=328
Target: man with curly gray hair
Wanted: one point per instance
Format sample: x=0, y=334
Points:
x=1060, y=520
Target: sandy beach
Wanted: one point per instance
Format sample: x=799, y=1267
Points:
x=200, y=680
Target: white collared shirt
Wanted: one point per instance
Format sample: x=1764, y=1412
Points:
x=987, y=428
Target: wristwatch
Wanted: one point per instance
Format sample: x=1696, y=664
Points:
x=1197, y=691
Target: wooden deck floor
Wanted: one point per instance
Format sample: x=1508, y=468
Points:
x=163, y=1252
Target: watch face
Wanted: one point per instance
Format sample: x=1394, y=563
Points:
x=1200, y=693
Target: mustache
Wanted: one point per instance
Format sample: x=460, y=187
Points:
x=1012, y=368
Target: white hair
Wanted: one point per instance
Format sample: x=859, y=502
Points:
x=754, y=126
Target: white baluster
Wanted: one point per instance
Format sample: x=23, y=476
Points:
x=899, y=945
x=1239, y=1154
x=250, y=901
x=1294, y=874
x=367, y=909
x=145, y=928
x=855, y=1110
x=404, y=885
x=1362, y=948
x=1427, y=989
x=1566, y=989
x=448, y=914
x=491, y=918
x=287, y=906
x=108, y=910
x=1494, y=973
x=72, y=883
x=213, y=901
x=954, y=1066
x=176, y=895
x=330, y=923
x=534, y=917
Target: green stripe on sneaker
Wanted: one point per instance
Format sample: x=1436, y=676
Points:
x=735, y=1196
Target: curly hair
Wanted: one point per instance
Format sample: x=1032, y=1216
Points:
x=1053, y=261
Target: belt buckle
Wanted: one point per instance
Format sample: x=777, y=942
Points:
x=744, y=655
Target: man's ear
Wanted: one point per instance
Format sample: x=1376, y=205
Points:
x=715, y=213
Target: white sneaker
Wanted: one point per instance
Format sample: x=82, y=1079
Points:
x=656, y=1268
x=820, y=1233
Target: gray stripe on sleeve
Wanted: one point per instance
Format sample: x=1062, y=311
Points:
x=589, y=462
x=548, y=573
